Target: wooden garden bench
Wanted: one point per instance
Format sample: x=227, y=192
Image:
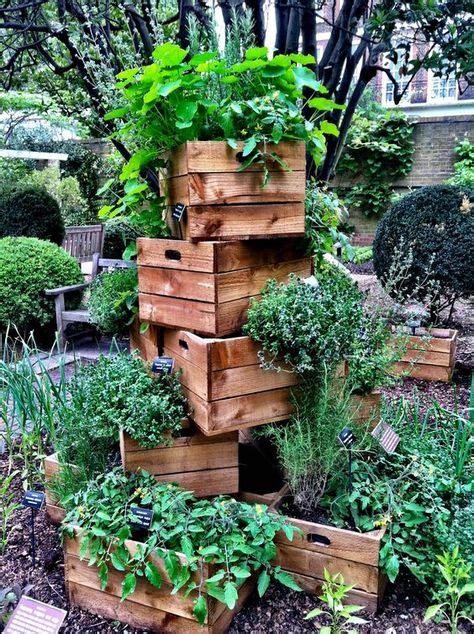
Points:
x=80, y=315
x=83, y=242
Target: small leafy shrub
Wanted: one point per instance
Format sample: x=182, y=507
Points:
x=459, y=584
x=113, y=300
x=305, y=326
x=28, y=266
x=379, y=150
x=464, y=168
x=325, y=212
x=66, y=191
x=340, y=615
x=432, y=229
x=422, y=493
x=119, y=233
x=234, y=537
x=30, y=211
x=359, y=255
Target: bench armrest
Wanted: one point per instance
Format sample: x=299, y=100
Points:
x=66, y=289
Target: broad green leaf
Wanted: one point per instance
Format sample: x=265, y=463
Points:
x=249, y=146
x=129, y=584
x=129, y=73
x=117, y=113
x=186, y=110
x=287, y=580
x=169, y=54
x=299, y=58
x=313, y=613
x=117, y=563
x=153, y=574
x=200, y=58
x=273, y=71
x=468, y=588
x=260, y=52
x=329, y=128
x=200, y=609
x=263, y=583
x=305, y=77
x=321, y=103
x=187, y=546
x=220, y=574
x=431, y=611
x=392, y=567
x=230, y=594
x=239, y=572
x=130, y=251
x=103, y=573
x=168, y=88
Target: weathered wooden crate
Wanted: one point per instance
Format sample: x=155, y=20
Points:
x=430, y=355
x=367, y=407
x=148, y=608
x=207, y=286
x=146, y=343
x=225, y=386
x=206, y=466
x=225, y=204
x=52, y=467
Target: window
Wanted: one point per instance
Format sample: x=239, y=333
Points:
x=402, y=82
x=443, y=88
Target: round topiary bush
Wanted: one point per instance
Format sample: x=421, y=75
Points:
x=30, y=211
x=425, y=241
x=118, y=234
x=28, y=266
x=113, y=300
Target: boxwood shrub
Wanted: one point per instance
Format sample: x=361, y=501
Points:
x=30, y=211
x=28, y=266
x=433, y=230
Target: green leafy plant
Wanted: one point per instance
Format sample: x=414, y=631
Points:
x=113, y=301
x=28, y=267
x=8, y=506
x=464, y=168
x=359, y=255
x=301, y=327
x=421, y=494
x=325, y=212
x=431, y=230
x=457, y=575
x=234, y=537
x=340, y=615
x=119, y=233
x=378, y=151
x=26, y=210
x=9, y=597
x=258, y=101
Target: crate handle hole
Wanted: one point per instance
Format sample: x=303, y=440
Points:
x=314, y=538
x=240, y=157
x=183, y=344
x=172, y=254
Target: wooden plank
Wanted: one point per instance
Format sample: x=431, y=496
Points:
x=366, y=407
x=422, y=371
x=313, y=585
x=231, y=316
x=218, y=156
x=198, y=438
x=240, y=412
x=205, y=483
x=192, y=347
x=56, y=514
x=234, y=188
x=344, y=544
x=179, y=313
x=240, y=222
x=216, y=257
x=432, y=343
x=146, y=343
x=310, y=563
x=192, y=285
x=427, y=356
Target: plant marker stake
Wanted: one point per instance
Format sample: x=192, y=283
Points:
x=33, y=540
x=347, y=439
x=33, y=500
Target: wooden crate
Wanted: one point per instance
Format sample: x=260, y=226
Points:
x=52, y=466
x=225, y=204
x=225, y=386
x=367, y=407
x=206, y=287
x=149, y=608
x=206, y=466
x=146, y=343
x=431, y=355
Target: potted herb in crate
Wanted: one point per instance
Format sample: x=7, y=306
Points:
x=227, y=139
x=190, y=570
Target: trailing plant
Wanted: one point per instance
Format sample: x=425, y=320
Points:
x=431, y=230
x=113, y=301
x=234, y=537
x=378, y=151
x=464, y=168
x=458, y=585
x=302, y=326
x=28, y=266
x=421, y=494
x=340, y=615
x=8, y=506
x=258, y=101
x=325, y=212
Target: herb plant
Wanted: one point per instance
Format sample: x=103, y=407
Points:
x=7, y=507
x=113, y=301
x=458, y=585
x=177, y=98
x=234, y=537
x=341, y=616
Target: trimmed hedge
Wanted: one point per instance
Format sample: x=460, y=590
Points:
x=28, y=266
x=30, y=211
x=436, y=224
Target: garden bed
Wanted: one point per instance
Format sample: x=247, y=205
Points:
x=429, y=355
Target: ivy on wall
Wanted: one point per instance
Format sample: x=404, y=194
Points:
x=379, y=150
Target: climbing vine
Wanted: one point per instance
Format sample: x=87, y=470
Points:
x=379, y=151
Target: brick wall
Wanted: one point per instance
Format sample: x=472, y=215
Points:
x=435, y=139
